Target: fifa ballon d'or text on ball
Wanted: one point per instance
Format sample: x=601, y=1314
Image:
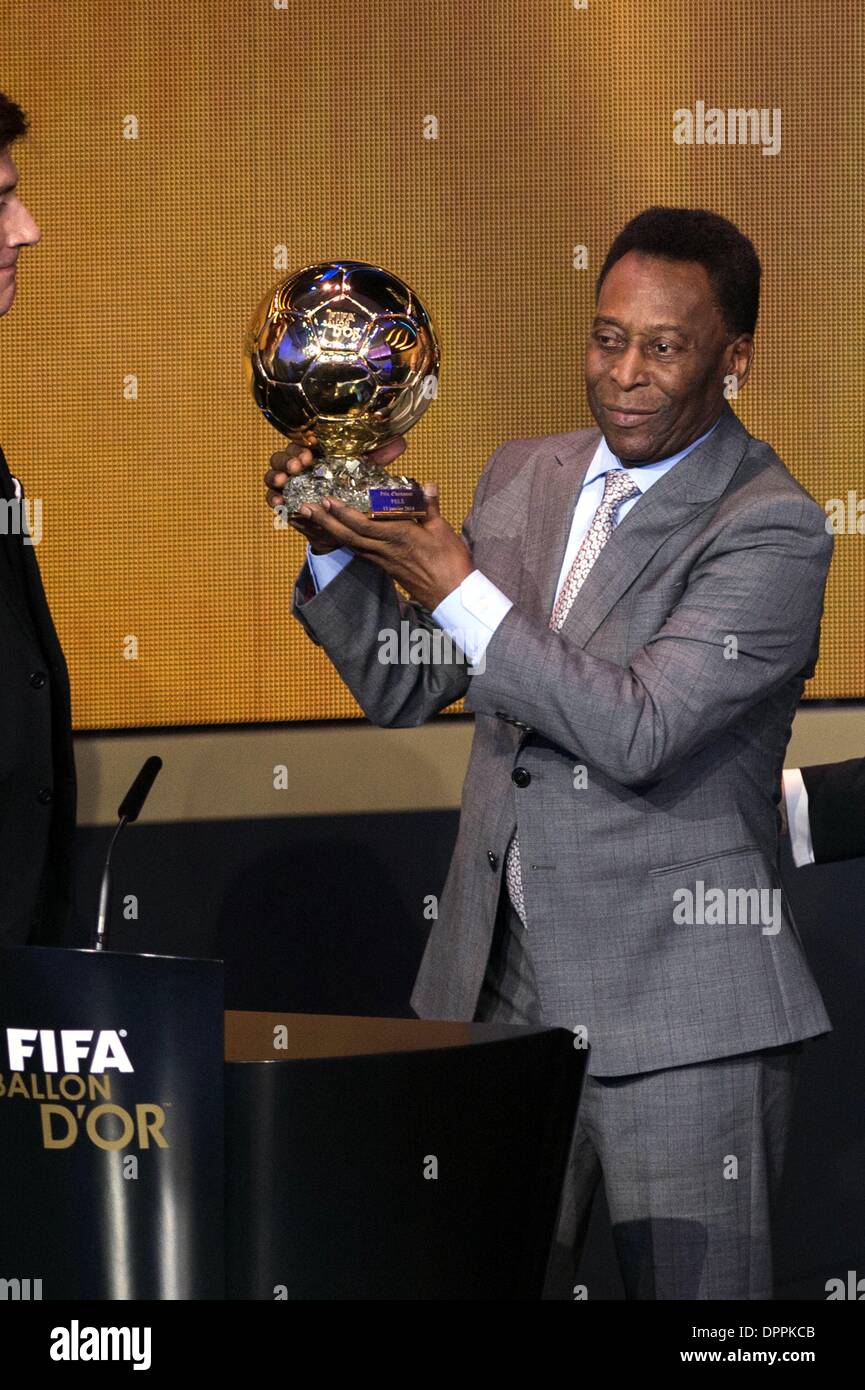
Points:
x=341, y=357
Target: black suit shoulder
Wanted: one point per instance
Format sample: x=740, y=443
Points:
x=836, y=809
x=37, y=766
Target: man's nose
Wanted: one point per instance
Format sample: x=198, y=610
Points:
x=629, y=367
x=25, y=229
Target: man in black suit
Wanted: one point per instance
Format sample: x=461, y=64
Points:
x=825, y=811
x=37, y=770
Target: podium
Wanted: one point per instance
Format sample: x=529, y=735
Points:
x=156, y=1148
x=393, y=1159
x=111, y=1120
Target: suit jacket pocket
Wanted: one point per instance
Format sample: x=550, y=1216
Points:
x=705, y=859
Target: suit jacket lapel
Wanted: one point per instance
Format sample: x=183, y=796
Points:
x=558, y=478
x=24, y=593
x=669, y=503
x=11, y=588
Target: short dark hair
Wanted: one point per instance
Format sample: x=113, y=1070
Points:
x=13, y=122
x=692, y=234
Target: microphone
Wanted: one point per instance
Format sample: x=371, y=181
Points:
x=128, y=811
x=131, y=805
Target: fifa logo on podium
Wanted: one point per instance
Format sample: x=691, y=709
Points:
x=75, y=1046
x=70, y=1073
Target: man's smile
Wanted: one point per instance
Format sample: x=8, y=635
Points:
x=627, y=417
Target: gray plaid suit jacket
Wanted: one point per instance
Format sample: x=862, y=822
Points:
x=673, y=683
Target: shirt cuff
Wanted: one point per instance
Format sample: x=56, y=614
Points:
x=326, y=567
x=798, y=824
x=471, y=613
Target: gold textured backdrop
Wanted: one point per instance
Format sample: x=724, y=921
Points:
x=301, y=126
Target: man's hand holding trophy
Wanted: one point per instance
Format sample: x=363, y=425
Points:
x=342, y=359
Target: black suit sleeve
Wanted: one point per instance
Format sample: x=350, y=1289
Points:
x=836, y=809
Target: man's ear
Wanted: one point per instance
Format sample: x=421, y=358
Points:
x=741, y=357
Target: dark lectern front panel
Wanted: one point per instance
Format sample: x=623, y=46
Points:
x=111, y=1124
x=432, y=1172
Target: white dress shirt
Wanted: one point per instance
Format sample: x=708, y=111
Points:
x=798, y=824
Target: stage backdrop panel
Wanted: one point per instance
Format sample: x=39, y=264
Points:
x=184, y=155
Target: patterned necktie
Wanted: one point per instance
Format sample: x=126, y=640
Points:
x=618, y=487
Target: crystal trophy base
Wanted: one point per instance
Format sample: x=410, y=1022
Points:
x=371, y=490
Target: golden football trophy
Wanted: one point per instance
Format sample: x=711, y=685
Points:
x=341, y=357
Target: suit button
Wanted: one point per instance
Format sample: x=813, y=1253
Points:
x=45, y=796
x=37, y=679
x=493, y=858
x=521, y=776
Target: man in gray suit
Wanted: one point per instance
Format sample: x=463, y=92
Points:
x=641, y=606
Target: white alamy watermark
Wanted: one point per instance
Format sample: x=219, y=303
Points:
x=845, y=516
x=737, y=125
x=20, y=1290
x=422, y=646
x=77, y=1343
x=718, y=907
x=851, y=1287
x=22, y=518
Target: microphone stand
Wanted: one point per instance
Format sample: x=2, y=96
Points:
x=100, y=937
x=128, y=811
